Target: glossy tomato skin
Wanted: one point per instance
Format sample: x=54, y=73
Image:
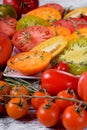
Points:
x=17, y=108
x=5, y=49
x=8, y=26
x=48, y=116
x=22, y=6
x=62, y=66
x=36, y=102
x=73, y=120
x=63, y=104
x=54, y=81
x=27, y=38
x=82, y=88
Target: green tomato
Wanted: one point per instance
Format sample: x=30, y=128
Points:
x=7, y=10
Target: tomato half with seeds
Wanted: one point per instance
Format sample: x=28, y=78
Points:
x=5, y=49
x=55, y=6
x=28, y=38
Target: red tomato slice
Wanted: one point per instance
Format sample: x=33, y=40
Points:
x=8, y=25
x=27, y=38
x=72, y=23
x=5, y=48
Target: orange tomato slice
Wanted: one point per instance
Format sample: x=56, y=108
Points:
x=46, y=13
x=30, y=63
x=60, y=31
x=79, y=33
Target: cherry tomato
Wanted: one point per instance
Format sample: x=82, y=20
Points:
x=82, y=88
x=8, y=25
x=62, y=66
x=48, y=115
x=4, y=87
x=62, y=104
x=73, y=120
x=17, y=108
x=54, y=81
x=27, y=38
x=22, y=6
x=19, y=91
x=36, y=102
x=5, y=49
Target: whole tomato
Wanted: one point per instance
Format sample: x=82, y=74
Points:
x=48, y=114
x=74, y=120
x=82, y=86
x=62, y=104
x=5, y=49
x=17, y=108
x=22, y=6
x=19, y=90
x=54, y=81
x=36, y=102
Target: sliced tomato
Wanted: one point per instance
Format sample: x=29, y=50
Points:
x=27, y=38
x=72, y=23
x=8, y=25
x=5, y=48
x=55, y=6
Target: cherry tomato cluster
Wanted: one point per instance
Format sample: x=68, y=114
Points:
x=57, y=108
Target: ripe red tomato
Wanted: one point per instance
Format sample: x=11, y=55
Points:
x=22, y=6
x=82, y=88
x=62, y=66
x=54, y=5
x=36, y=102
x=27, y=38
x=8, y=25
x=48, y=115
x=73, y=120
x=17, y=108
x=72, y=23
x=5, y=49
x=0, y=74
x=62, y=104
x=54, y=81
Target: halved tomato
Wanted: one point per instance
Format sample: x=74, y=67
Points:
x=5, y=48
x=55, y=6
x=8, y=25
x=27, y=38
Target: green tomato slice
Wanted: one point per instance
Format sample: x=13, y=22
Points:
x=75, y=54
x=31, y=20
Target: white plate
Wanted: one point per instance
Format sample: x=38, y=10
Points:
x=8, y=72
